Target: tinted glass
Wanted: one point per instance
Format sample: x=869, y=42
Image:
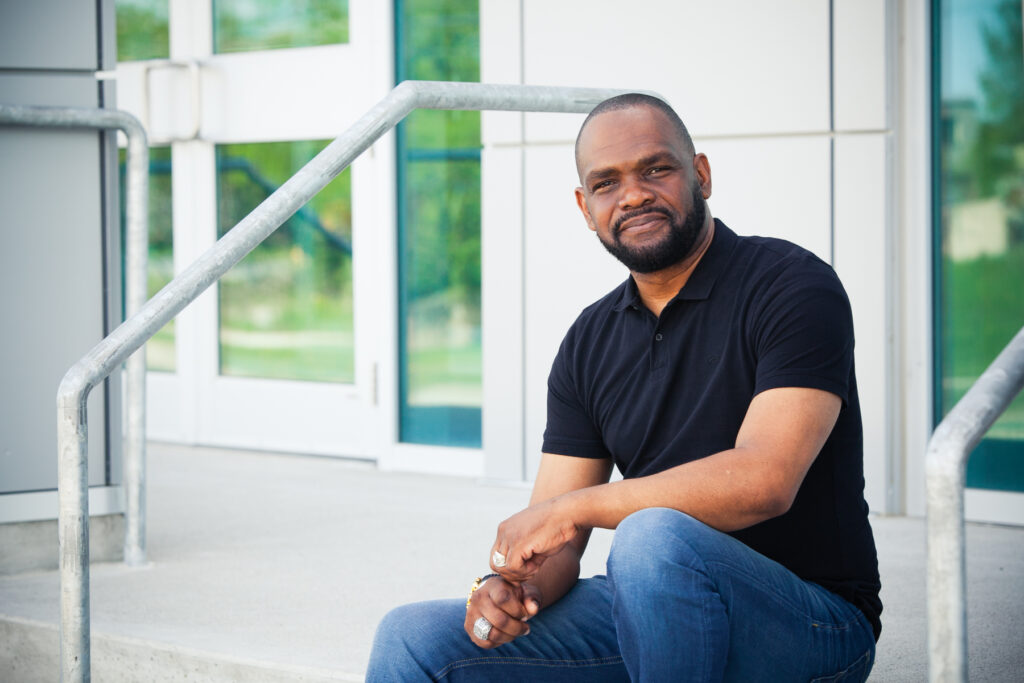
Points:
x=243, y=25
x=980, y=215
x=286, y=308
x=439, y=231
x=141, y=30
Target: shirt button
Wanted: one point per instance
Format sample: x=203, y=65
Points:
x=658, y=337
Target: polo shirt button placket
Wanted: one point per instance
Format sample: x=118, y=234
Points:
x=656, y=353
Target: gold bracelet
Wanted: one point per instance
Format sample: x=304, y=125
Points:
x=476, y=585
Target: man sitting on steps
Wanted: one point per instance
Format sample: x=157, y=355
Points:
x=719, y=379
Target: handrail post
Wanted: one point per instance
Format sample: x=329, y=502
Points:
x=136, y=270
x=945, y=465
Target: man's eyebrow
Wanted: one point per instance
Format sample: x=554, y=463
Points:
x=601, y=174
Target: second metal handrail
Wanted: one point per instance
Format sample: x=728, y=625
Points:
x=136, y=253
x=73, y=518
x=945, y=468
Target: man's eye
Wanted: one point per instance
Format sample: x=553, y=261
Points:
x=656, y=169
x=602, y=185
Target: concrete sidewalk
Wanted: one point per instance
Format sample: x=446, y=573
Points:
x=278, y=568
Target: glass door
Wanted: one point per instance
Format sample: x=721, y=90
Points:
x=281, y=354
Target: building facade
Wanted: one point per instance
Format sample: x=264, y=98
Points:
x=410, y=313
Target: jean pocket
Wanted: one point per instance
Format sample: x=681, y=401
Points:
x=855, y=673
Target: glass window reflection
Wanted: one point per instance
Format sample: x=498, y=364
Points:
x=440, y=360
x=286, y=308
x=980, y=244
x=142, y=30
x=243, y=25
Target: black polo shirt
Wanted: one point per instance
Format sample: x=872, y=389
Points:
x=654, y=392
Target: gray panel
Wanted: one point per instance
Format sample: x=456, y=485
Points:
x=51, y=274
x=50, y=208
x=49, y=90
x=48, y=34
x=51, y=279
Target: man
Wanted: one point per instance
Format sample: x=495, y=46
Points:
x=719, y=379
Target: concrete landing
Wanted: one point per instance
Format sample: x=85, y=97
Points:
x=278, y=568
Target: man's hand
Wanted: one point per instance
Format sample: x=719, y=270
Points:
x=506, y=606
x=529, y=537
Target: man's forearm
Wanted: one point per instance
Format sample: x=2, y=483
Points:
x=758, y=479
x=725, y=496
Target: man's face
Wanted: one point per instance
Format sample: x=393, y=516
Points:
x=643, y=189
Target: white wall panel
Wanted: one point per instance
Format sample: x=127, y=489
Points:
x=912, y=293
x=861, y=64
x=729, y=67
x=501, y=62
x=502, y=294
x=774, y=187
x=566, y=269
x=863, y=262
x=756, y=86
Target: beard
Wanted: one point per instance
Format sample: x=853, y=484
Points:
x=670, y=249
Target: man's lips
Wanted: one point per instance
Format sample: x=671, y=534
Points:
x=641, y=221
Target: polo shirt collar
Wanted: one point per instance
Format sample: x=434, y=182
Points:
x=704, y=276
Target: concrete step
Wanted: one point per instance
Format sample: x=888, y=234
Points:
x=30, y=655
x=278, y=568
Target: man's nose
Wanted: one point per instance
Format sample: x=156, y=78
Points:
x=635, y=193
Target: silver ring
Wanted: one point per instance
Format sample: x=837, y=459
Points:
x=498, y=559
x=481, y=628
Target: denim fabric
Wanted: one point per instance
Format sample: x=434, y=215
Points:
x=681, y=602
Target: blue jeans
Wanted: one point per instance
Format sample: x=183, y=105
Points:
x=681, y=602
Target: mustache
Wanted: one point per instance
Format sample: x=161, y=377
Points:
x=640, y=212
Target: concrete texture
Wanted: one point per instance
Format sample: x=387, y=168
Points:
x=278, y=568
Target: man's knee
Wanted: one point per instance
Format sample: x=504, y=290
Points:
x=648, y=541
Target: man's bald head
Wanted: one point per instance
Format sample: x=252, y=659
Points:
x=630, y=101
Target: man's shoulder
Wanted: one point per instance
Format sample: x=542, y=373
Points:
x=768, y=259
x=769, y=250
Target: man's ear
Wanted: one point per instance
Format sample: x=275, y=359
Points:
x=581, y=201
x=703, y=169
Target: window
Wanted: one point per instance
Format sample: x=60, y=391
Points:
x=440, y=390
x=142, y=30
x=979, y=214
x=245, y=25
x=286, y=308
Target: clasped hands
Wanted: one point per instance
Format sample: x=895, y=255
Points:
x=509, y=600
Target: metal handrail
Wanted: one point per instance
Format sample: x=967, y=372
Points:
x=136, y=247
x=210, y=267
x=945, y=467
